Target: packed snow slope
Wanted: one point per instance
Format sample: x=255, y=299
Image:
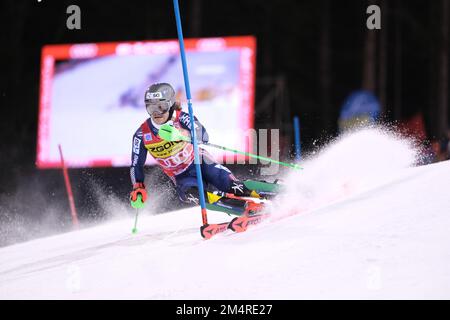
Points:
x=359, y=222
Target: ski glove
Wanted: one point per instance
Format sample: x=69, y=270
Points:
x=138, y=188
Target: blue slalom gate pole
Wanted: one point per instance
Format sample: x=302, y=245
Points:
x=191, y=112
x=297, y=138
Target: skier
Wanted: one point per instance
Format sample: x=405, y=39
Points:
x=176, y=158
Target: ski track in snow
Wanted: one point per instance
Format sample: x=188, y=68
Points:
x=359, y=222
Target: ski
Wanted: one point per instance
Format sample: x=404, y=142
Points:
x=209, y=230
x=238, y=224
x=247, y=216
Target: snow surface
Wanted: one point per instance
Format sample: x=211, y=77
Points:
x=359, y=222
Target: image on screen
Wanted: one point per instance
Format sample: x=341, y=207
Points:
x=91, y=99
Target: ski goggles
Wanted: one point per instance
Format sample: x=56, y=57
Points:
x=156, y=106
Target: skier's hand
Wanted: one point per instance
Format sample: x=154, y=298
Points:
x=138, y=188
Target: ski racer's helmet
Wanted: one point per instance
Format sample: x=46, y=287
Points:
x=159, y=97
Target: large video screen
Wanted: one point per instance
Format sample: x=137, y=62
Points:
x=92, y=95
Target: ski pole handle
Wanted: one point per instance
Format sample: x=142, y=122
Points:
x=137, y=205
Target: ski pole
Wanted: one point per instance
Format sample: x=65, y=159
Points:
x=134, y=230
x=137, y=205
x=292, y=165
x=170, y=133
x=191, y=112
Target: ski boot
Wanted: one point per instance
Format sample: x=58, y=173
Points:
x=255, y=189
x=232, y=204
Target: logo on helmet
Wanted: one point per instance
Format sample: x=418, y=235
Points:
x=153, y=95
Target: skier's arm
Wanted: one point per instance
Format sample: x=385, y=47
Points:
x=138, y=157
x=200, y=131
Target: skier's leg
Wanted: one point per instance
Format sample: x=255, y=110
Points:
x=188, y=193
x=224, y=180
x=231, y=190
x=187, y=190
x=187, y=187
x=220, y=176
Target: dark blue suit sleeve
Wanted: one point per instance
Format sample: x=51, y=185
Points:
x=200, y=131
x=138, y=157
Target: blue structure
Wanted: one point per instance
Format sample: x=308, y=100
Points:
x=297, y=138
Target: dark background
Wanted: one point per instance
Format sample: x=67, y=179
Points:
x=310, y=56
